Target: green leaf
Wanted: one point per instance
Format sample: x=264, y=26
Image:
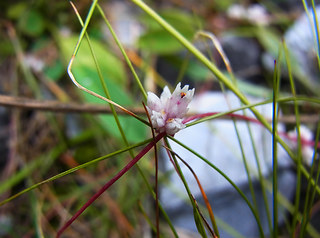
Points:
x=32, y=23
x=159, y=41
x=197, y=220
x=177, y=18
x=180, y=19
x=197, y=71
x=85, y=151
x=89, y=78
x=111, y=66
x=269, y=40
x=55, y=71
x=6, y=48
x=193, y=69
x=222, y=6
x=113, y=73
x=16, y=10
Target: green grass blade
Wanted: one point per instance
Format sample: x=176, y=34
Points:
x=30, y=168
x=228, y=179
x=69, y=171
x=103, y=83
x=196, y=211
x=261, y=179
x=299, y=160
x=221, y=77
x=316, y=31
x=310, y=194
x=166, y=217
x=123, y=52
x=276, y=82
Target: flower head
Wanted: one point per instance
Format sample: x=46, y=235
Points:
x=167, y=112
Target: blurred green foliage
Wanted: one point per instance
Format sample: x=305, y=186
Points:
x=113, y=73
x=159, y=41
x=48, y=31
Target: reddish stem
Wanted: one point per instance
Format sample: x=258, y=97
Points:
x=304, y=142
x=232, y=115
x=110, y=182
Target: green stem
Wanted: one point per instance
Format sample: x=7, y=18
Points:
x=83, y=32
x=274, y=152
x=316, y=32
x=69, y=171
x=245, y=163
x=123, y=52
x=110, y=183
x=104, y=85
x=310, y=195
x=191, y=198
x=299, y=158
x=165, y=215
x=229, y=180
x=221, y=77
x=261, y=179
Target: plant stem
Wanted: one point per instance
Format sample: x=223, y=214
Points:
x=220, y=76
x=123, y=52
x=274, y=152
x=254, y=213
x=110, y=182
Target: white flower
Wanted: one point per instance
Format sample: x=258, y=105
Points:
x=34, y=63
x=305, y=135
x=167, y=112
x=255, y=13
x=236, y=11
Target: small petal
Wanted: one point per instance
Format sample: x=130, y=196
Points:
x=189, y=95
x=157, y=119
x=177, y=90
x=153, y=102
x=165, y=95
x=185, y=88
x=174, y=125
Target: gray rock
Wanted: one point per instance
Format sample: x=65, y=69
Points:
x=216, y=140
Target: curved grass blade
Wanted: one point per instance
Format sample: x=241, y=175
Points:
x=299, y=161
x=219, y=75
x=122, y=51
x=205, y=198
x=226, y=61
x=156, y=174
x=111, y=182
x=310, y=194
x=274, y=151
x=82, y=34
x=228, y=179
x=69, y=171
x=196, y=210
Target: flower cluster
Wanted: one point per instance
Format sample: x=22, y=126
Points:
x=254, y=13
x=167, y=112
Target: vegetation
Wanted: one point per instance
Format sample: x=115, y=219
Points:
x=72, y=90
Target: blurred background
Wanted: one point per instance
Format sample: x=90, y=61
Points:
x=47, y=125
